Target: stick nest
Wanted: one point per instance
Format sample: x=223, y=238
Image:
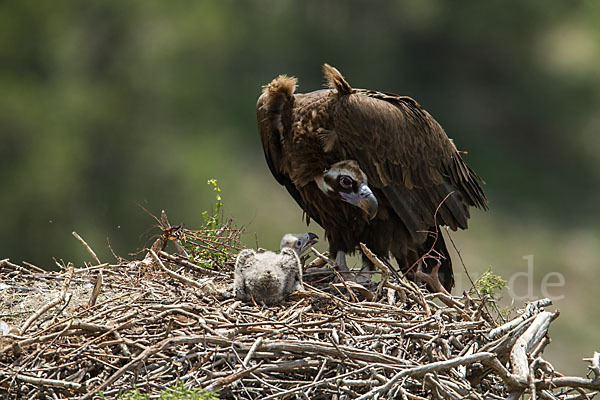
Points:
x=152, y=323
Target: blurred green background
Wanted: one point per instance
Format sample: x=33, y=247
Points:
x=109, y=103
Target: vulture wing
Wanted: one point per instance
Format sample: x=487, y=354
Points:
x=405, y=153
x=273, y=114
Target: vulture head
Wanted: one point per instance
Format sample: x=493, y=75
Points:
x=299, y=242
x=345, y=181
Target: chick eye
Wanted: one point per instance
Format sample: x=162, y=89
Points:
x=346, y=181
x=298, y=243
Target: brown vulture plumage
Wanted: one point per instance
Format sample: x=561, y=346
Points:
x=369, y=167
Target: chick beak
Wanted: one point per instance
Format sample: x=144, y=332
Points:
x=308, y=239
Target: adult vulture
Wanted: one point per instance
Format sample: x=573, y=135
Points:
x=369, y=167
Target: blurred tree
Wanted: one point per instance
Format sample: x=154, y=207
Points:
x=106, y=104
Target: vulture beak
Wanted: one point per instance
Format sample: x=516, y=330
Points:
x=364, y=199
x=307, y=240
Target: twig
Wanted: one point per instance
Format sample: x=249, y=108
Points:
x=412, y=290
x=469, y=276
x=532, y=308
x=530, y=338
x=60, y=298
x=87, y=247
x=156, y=328
x=315, y=384
x=422, y=370
x=172, y=274
x=339, y=276
x=252, y=350
x=48, y=382
x=96, y=291
x=141, y=358
x=594, y=364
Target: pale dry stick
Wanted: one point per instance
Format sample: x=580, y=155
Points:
x=265, y=383
x=228, y=380
x=111, y=330
x=424, y=369
x=339, y=276
x=528, y=340
x=594, y=364
x=252, y=350
x=173, y=274
x=503, y=345
x=143, y=356
x=188, y=264
x=94, y=268
x=288, y=366
x=60, y=298
x=447, y=299
x=518, y=355
x=6, y=263
x=568, y=381
x=41, y=350
x=407, y=395
x=35, y=267
x=48, y=382
x=540, y=348
x=342, y=352
x=122, y=344
x=87, y=247
x=547, y=395
x=385, y=271
x=415, y=292
x=315, y=384
x=517, y=385
x=439, y=388
x=452, y=303
x=317, y=377
x=513, y=396
x=202, y=322
x=531, y=383
x=323, y=348
x=510, y=380
x=357, y=382
x=542, y=365
x=96, y=290
x=531, y=309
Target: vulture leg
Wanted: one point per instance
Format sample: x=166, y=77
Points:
x=433, y=266
x=431, y=275
x=340, y=260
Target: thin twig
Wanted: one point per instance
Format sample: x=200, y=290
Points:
x=87, y=247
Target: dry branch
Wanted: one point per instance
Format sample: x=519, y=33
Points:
x=87, y=247
x=163, y=319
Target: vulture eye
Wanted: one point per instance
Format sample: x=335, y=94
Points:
x=299, y=243
x=346, y=181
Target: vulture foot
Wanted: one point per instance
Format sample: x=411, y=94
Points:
x=342, y=266
x=431, y=279
x=340, y=260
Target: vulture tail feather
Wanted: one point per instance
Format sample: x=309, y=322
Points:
x=335, y=80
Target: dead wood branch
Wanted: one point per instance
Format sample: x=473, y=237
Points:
x=164, y=319
x=87, y=247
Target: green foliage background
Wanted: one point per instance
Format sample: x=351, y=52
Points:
x=107, y=103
